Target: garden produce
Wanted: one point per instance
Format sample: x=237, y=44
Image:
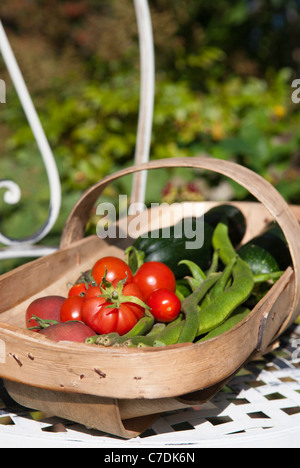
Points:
x=216, y=312
x=68, y=331
x=47, y=308
x=117, y=309
x=165, y=306
x=93, y=291
x=190, y=308
x=232, y=217
x=112, y=268
x=140, y=303
x=259, y=260
x=142, y=327
x=172, y=250
x=78, y=289
x=234, y=319
x=170, y=334
x=212, y=301
x=71, y=309
x=115, y=306
x=267, y=253
x=154, y=275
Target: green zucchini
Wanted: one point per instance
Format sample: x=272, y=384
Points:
x=172, y=250
x=233, y=217
x=267, y=253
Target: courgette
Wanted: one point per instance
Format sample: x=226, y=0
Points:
x=268, y=252
x=172, y=250
x=231, y=216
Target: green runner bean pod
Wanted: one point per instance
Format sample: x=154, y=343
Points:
x=108, y=340
x=264, y=277
x=193, y=283
x=222, y=243
x=218, y=310
x=134, y=258
x=156, y=329
x=198, y=275
x=92, y=339
x=232, y=321
x=103, y=340
x=214, y=265
x=221, y=284
x=183, y=289
x=169, y=335
x=191, y=309
x=143, y=326
x=138, y=342
x=196, y=271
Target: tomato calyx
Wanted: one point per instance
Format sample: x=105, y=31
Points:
x=114, y=297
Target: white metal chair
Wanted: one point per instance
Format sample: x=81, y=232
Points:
x=29, y=247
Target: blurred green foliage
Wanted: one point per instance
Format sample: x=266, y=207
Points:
x=223, y=88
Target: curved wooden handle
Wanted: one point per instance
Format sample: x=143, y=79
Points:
x=262, y=190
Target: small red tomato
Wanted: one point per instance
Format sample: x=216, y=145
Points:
x=154, y=275
x=79, y=289
x=46, y=308
x=165, y=305
x=71, y=309
x=113, y=267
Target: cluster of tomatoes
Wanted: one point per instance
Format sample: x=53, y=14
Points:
x=113, y=299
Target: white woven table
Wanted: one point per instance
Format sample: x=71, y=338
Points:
x=260, y=407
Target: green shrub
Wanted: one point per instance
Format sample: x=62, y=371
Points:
x=223, y=88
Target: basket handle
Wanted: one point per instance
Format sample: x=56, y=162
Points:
x=261, y=189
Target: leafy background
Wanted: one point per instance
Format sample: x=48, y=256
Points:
x=224, y=73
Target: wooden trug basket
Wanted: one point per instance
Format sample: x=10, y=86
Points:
x=121, y=391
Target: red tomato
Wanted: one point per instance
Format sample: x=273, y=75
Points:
x=154, y=275
x=120, y=319
x=46, y=308
x=165, y=305
x=90, y=308
x=93, y=291
x=79, y=289
x=115, y=267
x=71, y=309
x=133, y=289
x=107, y=320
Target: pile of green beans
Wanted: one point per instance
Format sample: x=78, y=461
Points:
x=212, y=302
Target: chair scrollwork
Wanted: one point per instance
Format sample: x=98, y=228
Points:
x=28, y=247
